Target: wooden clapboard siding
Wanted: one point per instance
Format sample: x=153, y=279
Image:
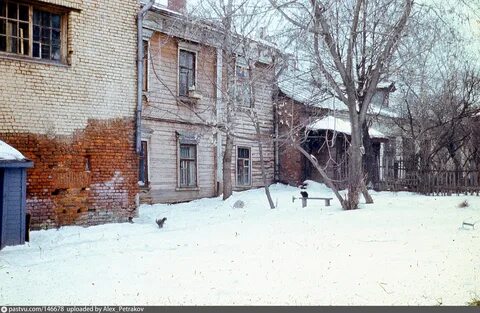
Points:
x=163, y=162
x=163, y=74
x=163, y=116
x=262, y=78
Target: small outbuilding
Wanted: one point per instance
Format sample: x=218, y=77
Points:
x=13, y=178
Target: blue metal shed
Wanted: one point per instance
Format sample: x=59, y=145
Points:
x=13, y=177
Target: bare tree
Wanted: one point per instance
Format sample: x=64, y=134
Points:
x=230, y=27
x=350, y=44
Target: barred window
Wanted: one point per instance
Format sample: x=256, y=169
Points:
x=28, y=30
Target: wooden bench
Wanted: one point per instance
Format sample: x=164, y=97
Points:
x=469, y=223
x=304, y=200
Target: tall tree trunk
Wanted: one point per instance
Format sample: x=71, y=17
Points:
x=356, y=182
x=227, y=167
x=262, y=165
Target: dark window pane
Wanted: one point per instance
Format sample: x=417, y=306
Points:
x=26, y=47
x=36, y=33
x=12, y=10
x=23, y=13
x=243, y=153
x=3, y=43
x=36, y=50
x=55, y=37
x=183, y=60
x=3, y=8
x=46, y=36
x=3, y=27
x=56, y=21
x=183, y=83
x=55, y=53
x=46, y=19
x=191, y=80
x=24, y=30
x=187, y=59
x=37, y=18
x=45, y=52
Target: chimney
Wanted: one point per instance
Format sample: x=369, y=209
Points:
x=177, y=5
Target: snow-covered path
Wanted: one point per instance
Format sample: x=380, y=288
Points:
x=404, y=249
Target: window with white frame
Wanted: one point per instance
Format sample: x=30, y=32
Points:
x=243, y=166
x=186, y=71
x=31, y=30
x=188, y=165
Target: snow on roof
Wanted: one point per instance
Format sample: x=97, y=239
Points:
x=339, y=125
x=298, y=87
x=9, y=153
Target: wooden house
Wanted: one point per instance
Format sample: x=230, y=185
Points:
x=185, y=98
x=321, y=125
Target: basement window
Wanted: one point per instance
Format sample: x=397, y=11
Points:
x=31, y=31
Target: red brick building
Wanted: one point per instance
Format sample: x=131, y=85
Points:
x=67, y=102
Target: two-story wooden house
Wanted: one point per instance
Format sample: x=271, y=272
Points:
x=185, y=104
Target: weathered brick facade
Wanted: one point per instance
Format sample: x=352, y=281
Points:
x=75, y=119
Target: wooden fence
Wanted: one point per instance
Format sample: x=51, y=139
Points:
x=397, y=175
x=394, y=175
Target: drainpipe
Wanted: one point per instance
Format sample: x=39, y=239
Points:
x=140, y=53
x=219, y=112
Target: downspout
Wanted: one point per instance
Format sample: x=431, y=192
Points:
x=140, y=53
x=219, y=113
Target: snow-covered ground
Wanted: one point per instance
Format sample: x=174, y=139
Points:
x=404, y=249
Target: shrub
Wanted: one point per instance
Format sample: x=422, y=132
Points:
x=463, y=204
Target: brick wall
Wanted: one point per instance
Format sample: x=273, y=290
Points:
x=88, y=178
x=293, y=167
x=64, y=116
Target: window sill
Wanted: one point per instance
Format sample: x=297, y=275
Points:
x=32, y=60
x=187, y=100
x=187, y=189
x=245, y=187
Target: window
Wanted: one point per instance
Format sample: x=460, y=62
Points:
x=242, y=75
x=186, y=72
x=380, y=98
x=145, y=65
x=143, y=171
x=243, y=167
x=188, y=165
x=29, y=31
